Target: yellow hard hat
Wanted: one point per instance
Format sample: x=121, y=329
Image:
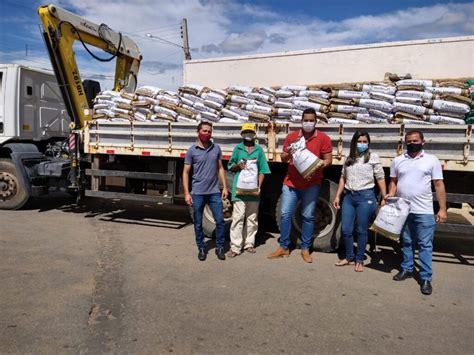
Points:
x=248, y=127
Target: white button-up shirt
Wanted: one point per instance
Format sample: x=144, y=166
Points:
x=360, y=175
x=414, y=177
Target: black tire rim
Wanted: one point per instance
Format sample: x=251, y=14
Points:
x=325, y=219
x=228, y=207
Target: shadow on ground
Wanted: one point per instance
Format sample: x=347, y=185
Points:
x=385, y=257
x=117, y=211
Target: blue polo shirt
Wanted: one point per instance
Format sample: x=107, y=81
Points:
x=204, y=162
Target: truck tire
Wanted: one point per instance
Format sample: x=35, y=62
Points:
x=208, y=223
x=13, y=194
x=327, y=231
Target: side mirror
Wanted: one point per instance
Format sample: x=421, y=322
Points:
x=91, y=88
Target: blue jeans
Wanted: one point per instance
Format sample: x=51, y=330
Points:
x=357, y=207
x=215, y=203
x=289, y=199
x=419, y=229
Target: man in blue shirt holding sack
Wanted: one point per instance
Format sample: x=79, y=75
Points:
x=204, y=158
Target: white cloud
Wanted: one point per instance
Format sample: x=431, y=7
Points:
x=226, y=27
x=238, y=43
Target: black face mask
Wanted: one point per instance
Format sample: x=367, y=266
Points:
x=414, y=147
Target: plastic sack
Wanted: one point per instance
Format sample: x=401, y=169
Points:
x=247, y=182
x=305, y=162
x=391, y=218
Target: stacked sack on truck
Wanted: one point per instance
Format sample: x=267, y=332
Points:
x=409, y=101
x=431, y=102
x=283, y=104
x=148, y=103
x=242, y=103
x=113, y=105
x=470, y=115
x=361, y=103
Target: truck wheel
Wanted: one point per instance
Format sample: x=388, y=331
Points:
x=13, y=194
x=208, y=223
x=327, y=229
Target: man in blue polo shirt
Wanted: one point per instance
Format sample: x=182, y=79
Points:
x=204, y=157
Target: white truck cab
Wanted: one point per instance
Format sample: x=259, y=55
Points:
x=31, y=106
x=34, y=126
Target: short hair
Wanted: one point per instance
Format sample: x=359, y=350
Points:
x=415, y=131
x=309, y=111
x=203, y=123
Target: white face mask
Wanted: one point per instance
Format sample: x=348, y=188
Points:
x=309, y=126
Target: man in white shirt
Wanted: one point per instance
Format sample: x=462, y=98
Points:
x=411, y=176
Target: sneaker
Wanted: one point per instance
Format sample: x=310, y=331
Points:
x=220, y=253
x=202, y=254
x=279, y=253
x=306, y=256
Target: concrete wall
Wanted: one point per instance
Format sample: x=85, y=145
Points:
x=431, y=59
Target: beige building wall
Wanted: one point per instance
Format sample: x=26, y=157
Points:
x=431, y=59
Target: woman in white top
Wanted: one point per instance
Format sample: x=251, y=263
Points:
x=356, y=186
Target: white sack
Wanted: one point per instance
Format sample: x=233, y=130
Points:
x=444, y=119
x=247, y=182
x=335, y=120
x=413, y=109
x=391, y=218
x=449, y=106
x=348, y=94
x=414, y=82
x=305, y=161
x=375, y=104
x=390, y=90
x=317, y=93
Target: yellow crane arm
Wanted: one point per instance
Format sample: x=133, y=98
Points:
x=61, y=29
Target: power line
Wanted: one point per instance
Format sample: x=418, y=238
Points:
x=154, y=29
x=149, y=35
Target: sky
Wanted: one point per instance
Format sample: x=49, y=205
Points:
x=220, y=28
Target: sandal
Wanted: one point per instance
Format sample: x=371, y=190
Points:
x=344, y=262
x=251, y=250
x=232, y=254
x=359, y=267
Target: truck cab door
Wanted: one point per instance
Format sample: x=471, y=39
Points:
x=42, y=113
x=2, y=103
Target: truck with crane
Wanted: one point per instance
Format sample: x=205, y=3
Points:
x=49, y=141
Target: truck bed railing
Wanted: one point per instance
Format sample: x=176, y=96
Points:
x=451, y=144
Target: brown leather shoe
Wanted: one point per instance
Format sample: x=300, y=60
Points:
x=279, y=253
x=306, y=256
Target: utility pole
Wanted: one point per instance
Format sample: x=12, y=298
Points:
x=184, y=36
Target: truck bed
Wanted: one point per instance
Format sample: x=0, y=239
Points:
x=451, y=144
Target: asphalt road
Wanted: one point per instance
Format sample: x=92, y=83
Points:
x=107, y=277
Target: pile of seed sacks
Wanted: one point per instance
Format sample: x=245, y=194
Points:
x=408, y=101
